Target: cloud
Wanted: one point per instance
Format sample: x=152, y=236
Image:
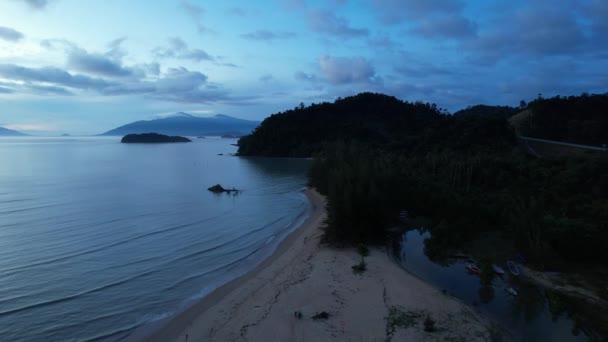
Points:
x=382, y=41
x=10, y=34
x=268, y=36
x=179, y=49
x=446, y=26
x=597, y=10
x=342, y=70
x=97, y=64
x=399, y=11
x=37, y=4
x=326, y=22
x=196, y=14
x=429, y=19
x=411, y=67
x=4, y=90
x=302, y=76
x=536, y=30
x=47, y=90
x=50, y=75
x=237, y=11
x=30, y=127
x=266, y=78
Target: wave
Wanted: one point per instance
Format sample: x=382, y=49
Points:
x=79, y=294
x=28, y=209
x=10, y=271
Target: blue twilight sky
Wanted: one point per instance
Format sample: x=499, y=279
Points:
x=86, y=66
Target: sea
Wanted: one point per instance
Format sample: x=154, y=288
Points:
x=99, y=239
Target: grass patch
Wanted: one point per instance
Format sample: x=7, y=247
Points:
x=363, y=250
x=398, y=318
x=360, y=267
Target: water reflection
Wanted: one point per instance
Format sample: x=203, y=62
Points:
x=532, y=315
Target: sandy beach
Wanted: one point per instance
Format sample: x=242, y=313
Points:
x=383, y=303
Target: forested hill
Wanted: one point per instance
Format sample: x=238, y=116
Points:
x=378, y=121
x=369, y=118
x=577, y=119
x=499, y=112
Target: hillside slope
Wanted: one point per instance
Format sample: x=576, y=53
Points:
x=189, y=125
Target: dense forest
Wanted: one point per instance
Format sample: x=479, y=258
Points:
x=577, y=119
x=373, y=119
x=465, y=172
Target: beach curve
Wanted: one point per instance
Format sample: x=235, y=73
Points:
x=304, y=277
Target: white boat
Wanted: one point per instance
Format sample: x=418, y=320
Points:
x=511, y=291
x=498, y=270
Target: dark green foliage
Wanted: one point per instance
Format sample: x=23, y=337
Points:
x=545, y=206
x=497, y=112
x=360, y=267
x=577, y=119
x=375, y=155
x=152, y=138
x=362, y=250
x=369, y=118
x=429, y=324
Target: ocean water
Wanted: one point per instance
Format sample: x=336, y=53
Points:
x=99, y=238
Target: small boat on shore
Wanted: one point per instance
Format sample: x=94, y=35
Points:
x=511, y=291
x=513, y=268
x=498, y=270
x=473, y=269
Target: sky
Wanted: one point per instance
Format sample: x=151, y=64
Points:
x=87, y=66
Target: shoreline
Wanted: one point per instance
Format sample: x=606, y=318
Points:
x=302, y=276
x=171, y=329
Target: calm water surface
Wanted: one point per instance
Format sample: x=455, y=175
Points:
x=98, y=238
x=526, y=317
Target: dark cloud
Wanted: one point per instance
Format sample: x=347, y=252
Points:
x=47, y=90
x=536, y=30
x=267, y=35
x=326, y=22
x=175, y=84
x=179, y=49
x=4, y=90
x=51, y=75
x=342, y=70
x=10, y=34
x=97, y=64
x=115, y=49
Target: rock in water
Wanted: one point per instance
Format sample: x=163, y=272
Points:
x=219, y=189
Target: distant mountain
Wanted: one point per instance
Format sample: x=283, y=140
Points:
x=5, y=132
x=189, y=125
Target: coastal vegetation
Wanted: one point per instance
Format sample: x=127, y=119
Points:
x=375, y=155
x=479, y=188
x=152, y=138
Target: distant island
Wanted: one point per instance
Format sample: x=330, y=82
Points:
x=5, y=132
x=189, y=125
x=152, y=138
